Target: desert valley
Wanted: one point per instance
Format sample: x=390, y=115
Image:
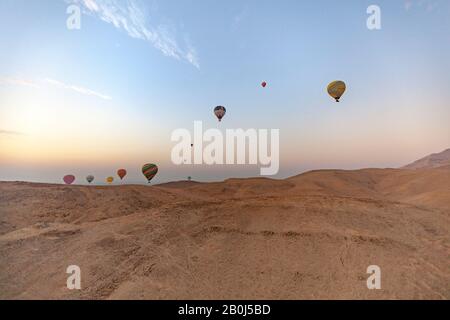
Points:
x=311, y=236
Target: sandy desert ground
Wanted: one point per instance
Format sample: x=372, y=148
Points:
x=311, y=236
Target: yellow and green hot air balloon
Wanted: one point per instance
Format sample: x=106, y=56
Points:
x=110, y=180
x=336, y=89
x=150, y=170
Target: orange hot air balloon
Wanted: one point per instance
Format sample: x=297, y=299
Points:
x=121, y=173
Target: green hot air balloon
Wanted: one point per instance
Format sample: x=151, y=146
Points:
x=150, y=170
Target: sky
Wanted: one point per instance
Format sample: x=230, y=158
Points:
x=110, y=94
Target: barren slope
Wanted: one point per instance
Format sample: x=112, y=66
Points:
x=434, y=160
x=310, y=236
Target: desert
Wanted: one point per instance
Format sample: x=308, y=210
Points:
x=311, y=236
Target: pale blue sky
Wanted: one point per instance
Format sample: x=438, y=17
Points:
x=117, y=92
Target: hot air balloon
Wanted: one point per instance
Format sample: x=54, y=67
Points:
x=220, y=111
x=110, y=180
x=90, y=178
x=264, y=84
x=121, y=173
x=150, y=170
x=69, y=179
x=336, y=89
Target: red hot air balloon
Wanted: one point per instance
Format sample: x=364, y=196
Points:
x=122, y=173
x=69, y=179
x=264, y=84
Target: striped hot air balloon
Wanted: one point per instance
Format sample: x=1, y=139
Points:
x=150, y=170
x=220, y=111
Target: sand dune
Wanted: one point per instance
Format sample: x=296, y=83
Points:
x=311, y=236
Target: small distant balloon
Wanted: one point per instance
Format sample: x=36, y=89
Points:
x=110, y=180
x=220, y=112
x=189, y=178
x=122, y=173
x=264, y=84
x=69, y=179
x=149, y=170
x=90, y=178
x=336, y=89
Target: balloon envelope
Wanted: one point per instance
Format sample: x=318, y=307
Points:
x=264, y=84
x=69, y=179
x=121, y=173
x=220, y=111
x=90, y=178
x=110, y=179
x=336, y=89
x=150, y=170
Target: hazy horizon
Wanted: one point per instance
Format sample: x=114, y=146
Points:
x=109, y=95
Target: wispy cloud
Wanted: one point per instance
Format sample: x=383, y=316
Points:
x=428, y=5
x=54, y=83
x=407, y=4
x=18, y=82
x=238, y=18
x=132, y=18
x=78, y=89
x=10, y=133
